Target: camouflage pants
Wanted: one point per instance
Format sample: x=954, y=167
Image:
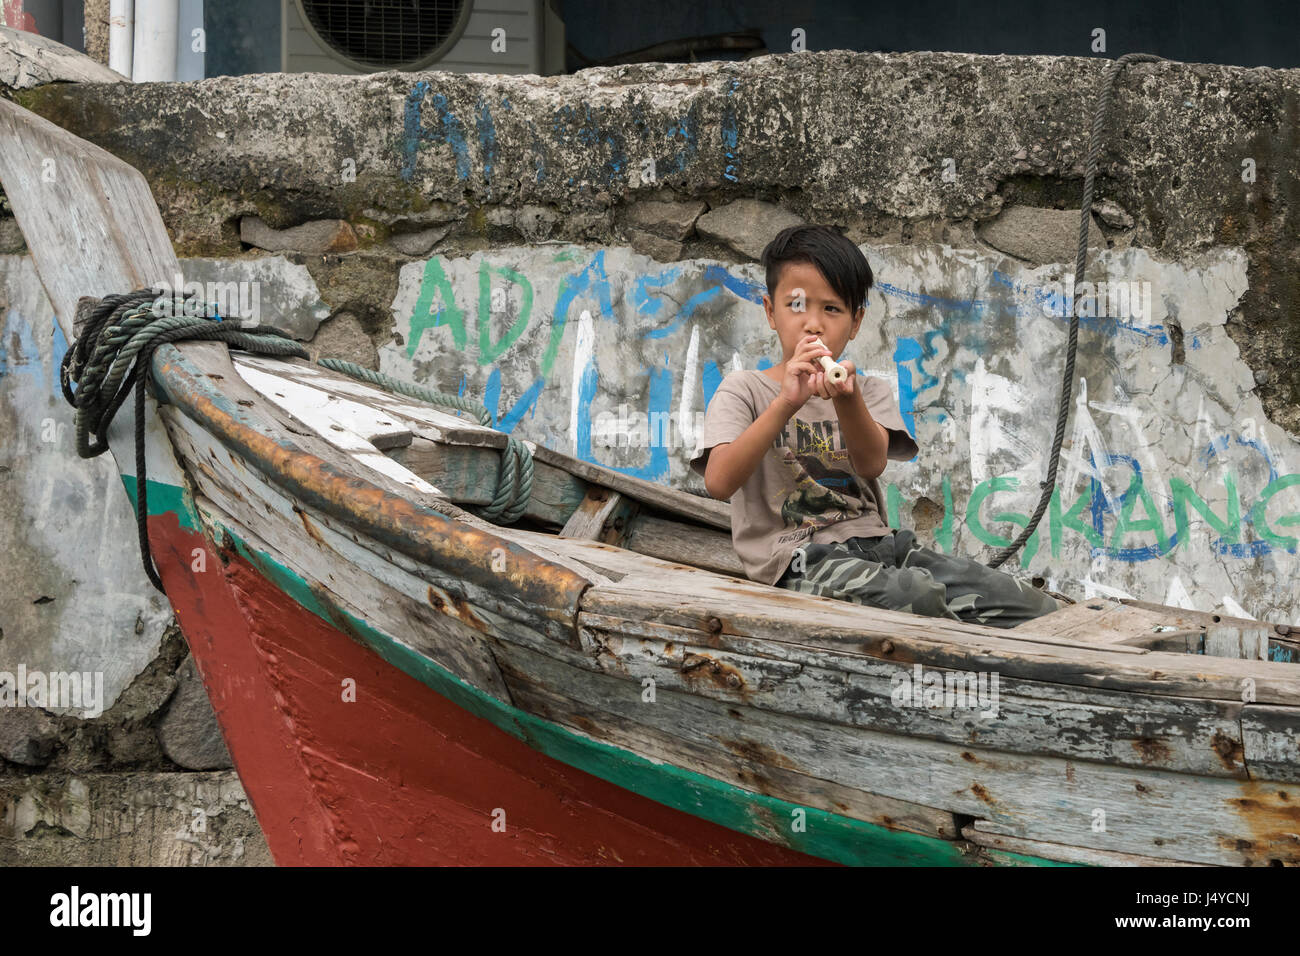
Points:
x=895, y=572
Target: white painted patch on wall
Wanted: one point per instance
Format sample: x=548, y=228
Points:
x=686, y=407
x=1177, y=595
x=994, y=400
x=1076, y=463
x=1235, y=609
x=581, y=357
x=1092, y=589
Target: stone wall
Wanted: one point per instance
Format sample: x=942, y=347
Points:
x=579, y=253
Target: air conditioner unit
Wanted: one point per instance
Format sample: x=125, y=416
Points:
x=367, y=36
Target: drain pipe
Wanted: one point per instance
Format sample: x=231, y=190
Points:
x=156, y=25
x=121, y=33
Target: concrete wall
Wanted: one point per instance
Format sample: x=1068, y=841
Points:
x=564, y=247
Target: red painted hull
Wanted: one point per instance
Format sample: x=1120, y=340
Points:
x=402, y=776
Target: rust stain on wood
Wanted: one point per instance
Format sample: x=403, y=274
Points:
x=758, y=753
x=1229, y=750
x=310, y=528
x=701, y=668
x=1272, y=815
x=1152, y=751
x=459, y=608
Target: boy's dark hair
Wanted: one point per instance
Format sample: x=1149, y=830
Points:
x=834, y=255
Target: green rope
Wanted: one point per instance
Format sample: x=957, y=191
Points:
x=106, y=360
x=515, y=477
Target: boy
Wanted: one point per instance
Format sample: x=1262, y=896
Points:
x=799, y=457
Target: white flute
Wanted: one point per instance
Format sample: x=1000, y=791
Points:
x=834, y=370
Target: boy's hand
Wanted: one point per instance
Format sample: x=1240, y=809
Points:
x=832, y=390
x=804, y=376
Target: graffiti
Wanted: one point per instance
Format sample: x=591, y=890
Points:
x=1086, y=517
x=1121, y=498
x=20, y=354
x=429, y=120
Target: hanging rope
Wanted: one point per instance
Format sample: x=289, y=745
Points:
x=515, y=476
x=1100, y=118
x=104, y=363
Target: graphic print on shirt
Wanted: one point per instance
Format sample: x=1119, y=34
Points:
x=812, y=497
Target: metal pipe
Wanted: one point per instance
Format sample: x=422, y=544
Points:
x=121, y=35
x=156, y=25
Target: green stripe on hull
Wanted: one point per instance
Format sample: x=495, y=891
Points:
x=165, y=499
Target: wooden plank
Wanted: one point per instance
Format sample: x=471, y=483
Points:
x=1245, y=643
x=1283, y=639
x=89, y=219
x=468, y=474
x=1185, y=735
x=613, y=562
x=325, y=412
x=716, y=514
x=684, y=544
x=597, y=508
x=711, y=602
x=444, y=638
x=1271, y=737
x=746, y=768
x=1172, y=816
x=1173, y=642
x=421, y=418
x=1002, y=845
x=1102, y=621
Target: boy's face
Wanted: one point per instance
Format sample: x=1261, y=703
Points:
x=807, y=305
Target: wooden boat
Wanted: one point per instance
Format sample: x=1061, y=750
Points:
x=400, y=682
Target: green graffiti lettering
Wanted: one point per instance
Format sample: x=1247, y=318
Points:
x=1073, y=520
x=986, y=488
x=1259, y=517
x=1228, y=528
x=488, y=352
x=435, y=281
x=892, y=500
x=1152, y=522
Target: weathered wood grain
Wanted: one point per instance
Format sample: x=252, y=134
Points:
x=1186, y=735
x=1246, y=643
x=437, y=624
x=1283, y=639
x=750, y=769
x=224, y=477
x=1000, y=847
x=718, y=604
x=1101, y=621
x=684, y=544
x=1049, y=799
x=596, y=508
x=89, y=219
x=326, y=412
x=467, y=474
x=1271, y=737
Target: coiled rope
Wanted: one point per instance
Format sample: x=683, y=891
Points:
x=119, y=340
x=1100, y=118
x=106, y=360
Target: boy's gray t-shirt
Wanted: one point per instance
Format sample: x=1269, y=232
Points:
x=804, y=488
